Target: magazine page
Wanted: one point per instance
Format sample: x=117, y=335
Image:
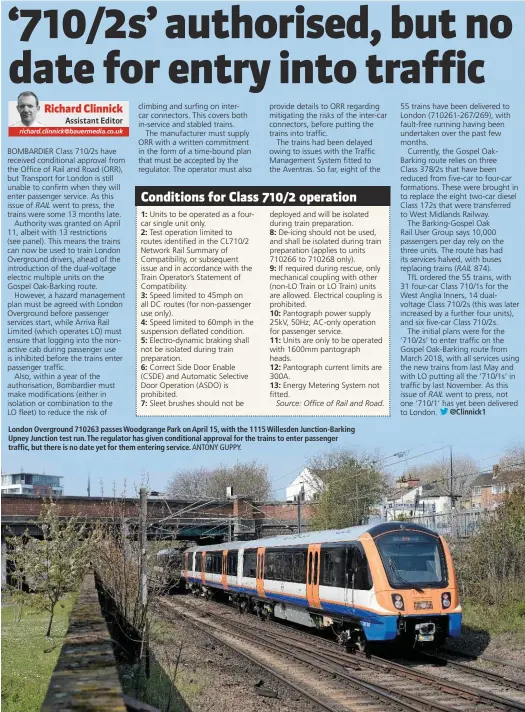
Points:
x=262, y=343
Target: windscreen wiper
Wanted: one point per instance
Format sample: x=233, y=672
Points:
x=401, y=579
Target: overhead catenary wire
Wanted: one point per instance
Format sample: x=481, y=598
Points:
x=373, y=462
x=220, y=520
x=463, y=476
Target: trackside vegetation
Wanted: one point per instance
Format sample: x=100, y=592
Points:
x=44, y=574
x=28, y=656
x=491, y=570
x=45, y=569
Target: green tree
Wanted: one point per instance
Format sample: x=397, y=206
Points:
x=491, y=564
x=350, y=485
x=246, y=478
x=52, y=566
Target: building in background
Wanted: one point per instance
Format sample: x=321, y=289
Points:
x=307, y=483
x=410, y=498
x=32, y=483
x=489, y=488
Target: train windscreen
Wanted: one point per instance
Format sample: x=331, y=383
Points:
x=412, y=559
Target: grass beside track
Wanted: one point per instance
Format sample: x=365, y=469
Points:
x=28, y=657
x=169, y=687
x=500, y=620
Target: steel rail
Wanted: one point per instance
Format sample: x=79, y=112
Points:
x=486, y=658
x=253, y=659
x=404, y=700
x=446, y=686
x=478, y=672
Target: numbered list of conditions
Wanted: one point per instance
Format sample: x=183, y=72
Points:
x=263, y=301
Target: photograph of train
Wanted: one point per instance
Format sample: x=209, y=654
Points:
x=389, y=582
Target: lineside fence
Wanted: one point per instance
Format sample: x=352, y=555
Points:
x=454, y=524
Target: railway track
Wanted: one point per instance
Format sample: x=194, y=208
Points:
x=472, y=671
x=388, y=683
x=490, y=682
x=483, y=658
x=327, y=703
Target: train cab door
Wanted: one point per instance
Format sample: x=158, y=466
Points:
x=203, y=567
x=313, y=566
x=349, y=579
x=224, y=580
x=351, y=564
x=259, y=571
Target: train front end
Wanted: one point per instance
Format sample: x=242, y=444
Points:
x=414, y=580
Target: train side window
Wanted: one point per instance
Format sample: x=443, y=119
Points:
x=333, y=567
x=269, y=565
x=279, y=567
x=287, y=570
x=357, y=566
x=231, y=563
x=363, y=579
x=198, y=561
x=310, y=557
x=213, y=563
x=315, y=578
x=299, y=567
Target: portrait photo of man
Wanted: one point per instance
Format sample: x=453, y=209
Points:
x=28, y=108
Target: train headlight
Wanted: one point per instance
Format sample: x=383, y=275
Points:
x=445, y=600
x=398, y=602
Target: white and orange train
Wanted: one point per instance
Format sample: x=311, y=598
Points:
x=392, y=581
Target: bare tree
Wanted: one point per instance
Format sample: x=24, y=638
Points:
x=514, y=458
x=123, y=565
x=437, y=473
x=350, y=485
x=190, y=484
x=246, y=478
